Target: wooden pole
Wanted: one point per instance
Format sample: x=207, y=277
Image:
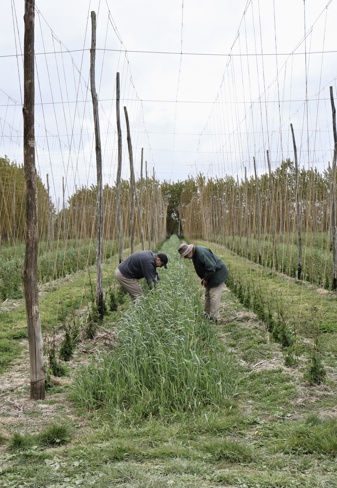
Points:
x=333, y=192
x=140, y=202
x=63, y=212
x=49, y=215
x=258, y=213
x=298, y=208
x=148, y=207
x=271, y=211
x=119, y=174
x=239, y=207
x=37, y=375
x=247, y=214
x=154, y=203
x=132, y=184
x=99, y=215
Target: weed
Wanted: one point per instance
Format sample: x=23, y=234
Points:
x=230, y=451
x=54, y=435
x=55, y=367
x=20, y=442
x=314, y=436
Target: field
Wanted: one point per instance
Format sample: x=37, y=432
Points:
x=156, y=396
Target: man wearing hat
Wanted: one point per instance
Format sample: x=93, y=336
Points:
x=141, y=264
x=213, y=273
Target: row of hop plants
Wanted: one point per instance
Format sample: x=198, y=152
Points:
x=52, y=265
x=317, y=266
x=168, y=359
x=270, y=308
x=59, y=351
x=16, y=249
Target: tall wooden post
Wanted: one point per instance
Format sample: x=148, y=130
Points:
x=247, y=207
x=298, y=208
x=154, y=204
x=119, y=174
x=148, y=207
x=49, y=215
x=64, y=212
x=37, y=375
x=140, y=202
x=258, y=212
x=132, y=183
x=333, y=192
x=99, y=214
x=239, y=207
x=271, y=211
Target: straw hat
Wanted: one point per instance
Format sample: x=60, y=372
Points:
x=185, y=249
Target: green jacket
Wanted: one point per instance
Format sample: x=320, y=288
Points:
x=209, y=267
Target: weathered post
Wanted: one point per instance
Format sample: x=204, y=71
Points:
x=37, y=374
x=333, y=192
x=140, y=202
x=99, y=214
x=247, y=211
x=271, y=210
x=258, y=212
x=132, y=183
x=298, y=208
x=119, y=174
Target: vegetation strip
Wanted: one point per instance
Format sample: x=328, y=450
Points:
x=168, y=358
x=275, y=430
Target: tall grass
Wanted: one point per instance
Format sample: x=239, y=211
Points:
x=168, y=359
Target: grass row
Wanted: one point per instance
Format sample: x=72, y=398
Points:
x=168, y=358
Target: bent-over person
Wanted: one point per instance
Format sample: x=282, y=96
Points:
x=141, y=264
x=213, y=273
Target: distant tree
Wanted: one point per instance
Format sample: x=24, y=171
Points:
x=172, y=195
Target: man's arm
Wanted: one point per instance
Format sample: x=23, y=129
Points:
x=149, y=270
x=210, y=267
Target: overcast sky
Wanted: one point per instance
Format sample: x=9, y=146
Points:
x=208, y=86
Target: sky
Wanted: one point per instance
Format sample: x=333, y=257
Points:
x=209, y=87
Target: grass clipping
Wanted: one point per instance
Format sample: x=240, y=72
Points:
x=168, y=358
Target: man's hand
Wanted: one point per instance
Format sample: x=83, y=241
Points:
x=204, y=282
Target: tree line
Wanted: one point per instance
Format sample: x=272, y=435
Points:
x=198, y=207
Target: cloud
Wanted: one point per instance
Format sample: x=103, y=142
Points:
x=207, y=85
